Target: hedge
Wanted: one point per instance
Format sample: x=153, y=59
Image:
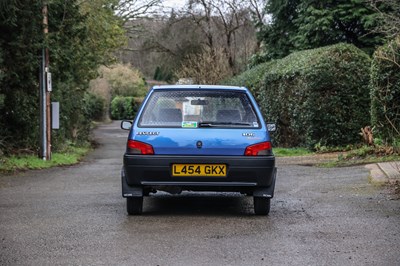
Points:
x=385, y=92
x=94, y=106
x=316, y=97
x=123, y=108
x=252, y=78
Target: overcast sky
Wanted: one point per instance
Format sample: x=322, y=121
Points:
x=174, y=3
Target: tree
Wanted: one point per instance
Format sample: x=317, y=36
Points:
x=20, y=43
x=385, y=92
x=133, y=12
x=164, y=42
x=221, y=17
x=385, y=78
x=322, y=23
x=82, y=35
x=304, y=24
x=276, y=35
x=258, y=11
x=232, y=15
x=389, y=15
x=167, y=41
x=105, y=29
x=123, y=80
x=135, y=9
x=207, y=67
x=259, y=16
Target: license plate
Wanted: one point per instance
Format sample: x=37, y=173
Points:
x=198, y=170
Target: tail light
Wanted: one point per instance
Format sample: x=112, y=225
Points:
x=137, y=147
x=259, y=149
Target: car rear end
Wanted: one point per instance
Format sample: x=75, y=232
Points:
x=199, y=138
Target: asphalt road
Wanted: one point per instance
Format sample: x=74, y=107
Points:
x=76, y=216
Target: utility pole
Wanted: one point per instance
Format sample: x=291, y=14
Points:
x=45, y=89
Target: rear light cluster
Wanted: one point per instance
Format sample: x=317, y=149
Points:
x=259, y=149
x=137, y=147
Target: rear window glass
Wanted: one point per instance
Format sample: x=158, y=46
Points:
x=192, y=109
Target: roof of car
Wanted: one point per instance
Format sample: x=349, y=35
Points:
x=208, y=87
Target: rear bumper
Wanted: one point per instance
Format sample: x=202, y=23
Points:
x=244, y=174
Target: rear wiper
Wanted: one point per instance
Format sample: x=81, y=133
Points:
x=216, y=124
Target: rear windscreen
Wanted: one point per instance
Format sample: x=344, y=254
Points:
x=193, y=109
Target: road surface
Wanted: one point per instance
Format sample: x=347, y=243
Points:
x=76, y=216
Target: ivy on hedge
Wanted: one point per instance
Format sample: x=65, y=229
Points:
x=385, y=92
x=317, y=96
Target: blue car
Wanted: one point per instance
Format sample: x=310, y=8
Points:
x=198, y=138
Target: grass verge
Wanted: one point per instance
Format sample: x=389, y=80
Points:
x=345, y=156
x=364, y=155
x=340, y=162
x=16, y=163
x=283, y=152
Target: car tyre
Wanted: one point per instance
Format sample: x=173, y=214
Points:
x=134, y=205
x=262, y=205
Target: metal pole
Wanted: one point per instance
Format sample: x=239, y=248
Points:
x=46, y=84
x=43, y=124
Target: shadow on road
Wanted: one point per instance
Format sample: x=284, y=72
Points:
x=198, y=204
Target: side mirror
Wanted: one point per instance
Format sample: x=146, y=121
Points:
x=271, y=127
x=126, y=125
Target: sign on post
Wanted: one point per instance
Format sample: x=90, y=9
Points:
x=48, y=80
x=55, y=115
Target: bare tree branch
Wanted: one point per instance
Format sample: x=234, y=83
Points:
x=390, y=18
x=257, y=8
x=134, y=9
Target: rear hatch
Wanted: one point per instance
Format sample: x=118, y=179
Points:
x=200, y=141
x=199, y=121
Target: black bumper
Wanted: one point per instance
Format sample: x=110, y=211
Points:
x=255, y=175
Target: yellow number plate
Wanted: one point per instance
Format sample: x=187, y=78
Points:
x=198, y=170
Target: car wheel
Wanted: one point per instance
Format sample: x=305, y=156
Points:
x=262, y=205
x=134, y=205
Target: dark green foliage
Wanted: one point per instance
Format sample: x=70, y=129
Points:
x=123, y=108
x=2, y=96
x=73, y=64
x=385, y=92
x=74, y=125
x=297, y=25
x=157, y=73
x=20, y=44
x=253, y=80
x=75, y=54
x=277, y=35
x=328, y=22
x=163, y=74
x=94, y=106
x=315, y=96
x=319, y=96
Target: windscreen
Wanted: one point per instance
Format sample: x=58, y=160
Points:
x=194, y=108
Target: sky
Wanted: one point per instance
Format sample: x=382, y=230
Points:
x=174, y=3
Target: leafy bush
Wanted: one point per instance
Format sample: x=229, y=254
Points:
x=78, y=42
x=163, y=74
x=208, y=67
x=74, y=123
x=317, y=96
x=94, y=106
x=252, y=78
x=385, y=92
x=124, y=80
x=123, y=108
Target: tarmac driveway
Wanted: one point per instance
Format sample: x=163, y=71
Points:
x=76, y=216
